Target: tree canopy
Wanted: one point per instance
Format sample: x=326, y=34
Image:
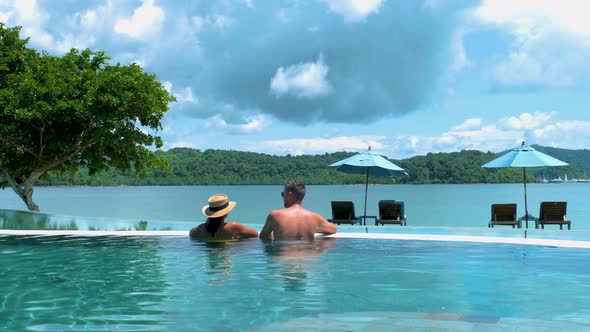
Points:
x=222, y=167
x=59, y=113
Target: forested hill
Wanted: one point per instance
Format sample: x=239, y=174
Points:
x=221, y=167
x=575, y=157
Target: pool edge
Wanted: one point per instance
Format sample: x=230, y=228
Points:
x=381, y=236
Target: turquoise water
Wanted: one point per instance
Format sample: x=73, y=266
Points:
x=426, y=205
x=175, y=284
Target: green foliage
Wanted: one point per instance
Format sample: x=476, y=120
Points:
x=219, y=167
x=60, y=113
x=576, y=158
x=456, y=167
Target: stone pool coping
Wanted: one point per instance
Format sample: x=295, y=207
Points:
x=381, y=236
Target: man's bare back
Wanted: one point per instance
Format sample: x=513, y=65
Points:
x=294, y=222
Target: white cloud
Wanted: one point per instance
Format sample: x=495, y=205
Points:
x=253, y=124
x=486, y=138
x=146, y=21
x=542, y=31
x=168, y=86
x=299, y=146
x=179, y=130
x=27, y=14
x=570, y=134
x=27, y=10
x=526, y=15
x=469, y=124
x=304, y=80
x=78, y=31
x=220, y=22
x=503, y=134
x=81, y=29
x=354, y=10
x=185, y=95
x=89, y=19
x=472, y=134
x=525, y=121
x=493, y=136
x=98, y=18
x=460, y=60
x=129, y=57
x=540, y=61
x=69, y=41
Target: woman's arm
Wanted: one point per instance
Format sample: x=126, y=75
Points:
x=248, y=232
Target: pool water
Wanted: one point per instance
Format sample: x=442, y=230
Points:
x=65, y=283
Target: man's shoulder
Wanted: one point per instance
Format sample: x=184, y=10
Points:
x=311, y=213
x=274, y=213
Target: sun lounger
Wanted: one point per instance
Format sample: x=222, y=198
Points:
x=343, y=213
x=391, y=212
x=553, y=213
x=504, y=214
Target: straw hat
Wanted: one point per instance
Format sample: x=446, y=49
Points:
x=218, y=206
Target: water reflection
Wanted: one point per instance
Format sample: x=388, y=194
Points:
x=291, y=260
x=218, y=262
x=29, y=220
x=25, y=220
x=73, y=283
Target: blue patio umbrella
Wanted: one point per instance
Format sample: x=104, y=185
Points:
x=368, y=163
x=524, y=156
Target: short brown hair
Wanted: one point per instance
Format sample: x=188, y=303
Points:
x=297, y=188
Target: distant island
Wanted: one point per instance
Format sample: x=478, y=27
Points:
x=223, y=167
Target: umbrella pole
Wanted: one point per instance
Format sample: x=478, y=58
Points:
x=526, y=210
x=366, y=188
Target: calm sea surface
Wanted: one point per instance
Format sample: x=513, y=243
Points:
x=426, y=205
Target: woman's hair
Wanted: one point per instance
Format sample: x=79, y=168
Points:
x=212, y=224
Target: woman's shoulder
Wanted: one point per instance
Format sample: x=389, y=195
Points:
x=233, y=225
x=197, y=231
x=237, y=227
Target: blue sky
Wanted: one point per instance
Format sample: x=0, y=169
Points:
x=316, y=76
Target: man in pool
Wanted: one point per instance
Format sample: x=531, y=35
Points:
x=294, y=222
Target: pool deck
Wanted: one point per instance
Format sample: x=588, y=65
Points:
x=380, y=236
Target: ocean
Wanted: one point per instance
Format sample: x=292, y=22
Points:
x=464, y=205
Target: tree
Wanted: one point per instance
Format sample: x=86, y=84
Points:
x=58, y=113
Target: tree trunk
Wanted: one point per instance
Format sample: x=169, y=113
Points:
x=27, y=196
x=24, y=190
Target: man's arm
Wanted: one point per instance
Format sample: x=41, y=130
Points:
x=325, y=227
x=266, y=232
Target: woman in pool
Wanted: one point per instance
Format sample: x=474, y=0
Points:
x=215, y=228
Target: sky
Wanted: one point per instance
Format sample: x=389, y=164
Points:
x=318, y=76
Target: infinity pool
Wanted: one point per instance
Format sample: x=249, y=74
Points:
x=65, y=283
